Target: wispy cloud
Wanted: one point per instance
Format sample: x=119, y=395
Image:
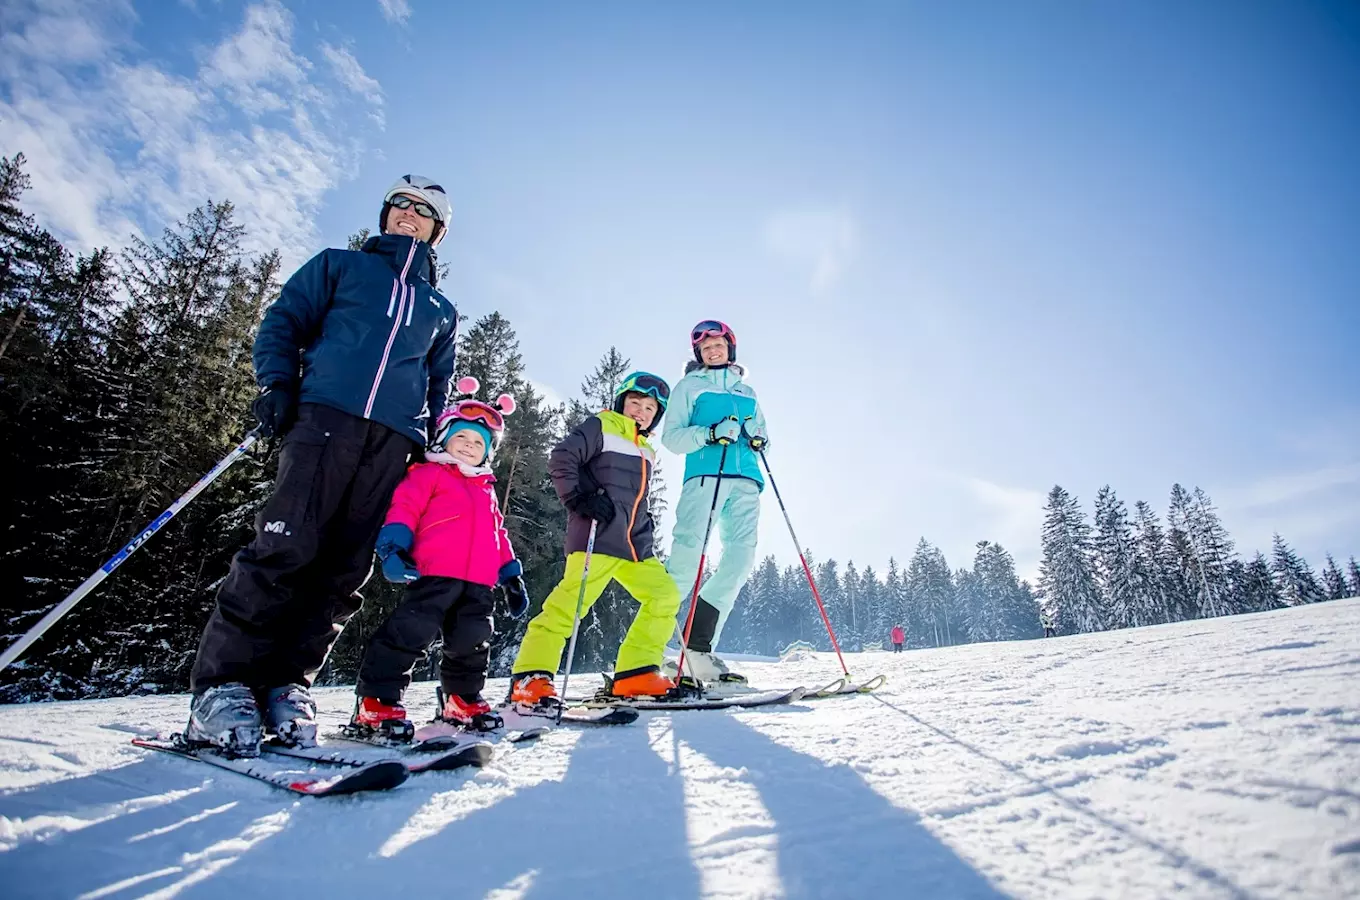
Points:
x=821, y=240
x=396, y=11
x=120, y=145
x=1316, y=510
x=1011, y=517
x=352, y=75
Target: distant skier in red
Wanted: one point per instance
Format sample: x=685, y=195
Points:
x=899, y=637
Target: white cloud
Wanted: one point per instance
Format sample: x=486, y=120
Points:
x=397, y=11
x=1012, y=517
x=1317, y=511
x=351, y=74
x=118, y=146
x=822, y=240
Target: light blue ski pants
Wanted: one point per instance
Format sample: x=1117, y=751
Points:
x=736, y=521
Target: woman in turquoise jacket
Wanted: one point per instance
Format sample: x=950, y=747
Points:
x=711, y=410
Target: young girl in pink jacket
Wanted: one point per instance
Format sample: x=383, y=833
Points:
x=445, y=539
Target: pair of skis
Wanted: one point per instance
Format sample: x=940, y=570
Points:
x=377, y=765
x=362, y=765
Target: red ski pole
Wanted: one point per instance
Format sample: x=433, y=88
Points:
x=821, y=607
x=699, y=575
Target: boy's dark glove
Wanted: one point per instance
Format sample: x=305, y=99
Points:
x=512, y=584
x=394, y=553
x=275, y=409
x=595, y=506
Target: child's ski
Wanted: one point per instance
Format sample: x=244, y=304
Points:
x=573, y=715
x=434, y=758
x=439, y=730
x=377, y=775
x=743, y=701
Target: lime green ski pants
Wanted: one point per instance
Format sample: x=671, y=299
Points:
x=645, y=644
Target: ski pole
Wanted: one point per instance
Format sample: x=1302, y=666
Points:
x=821, y=607
x=699, y=575
x=576, y=622
x=18, y=647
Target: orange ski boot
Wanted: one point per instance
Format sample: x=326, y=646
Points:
x=644, y=684
x=533, y=690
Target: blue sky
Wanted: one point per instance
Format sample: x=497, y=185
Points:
x=969, y=249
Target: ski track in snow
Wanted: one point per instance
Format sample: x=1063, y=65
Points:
x=1203, y=759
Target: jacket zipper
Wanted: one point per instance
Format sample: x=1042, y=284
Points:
x=642, y=489
x=400, y=291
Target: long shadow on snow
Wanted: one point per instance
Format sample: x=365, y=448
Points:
x=837, y=836
x=611, y=829
x=1178, y=858
x=137, y=834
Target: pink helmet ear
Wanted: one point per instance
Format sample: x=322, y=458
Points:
x=468, y=385
x=506, y=404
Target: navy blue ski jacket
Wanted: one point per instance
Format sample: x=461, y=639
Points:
x=366, y=332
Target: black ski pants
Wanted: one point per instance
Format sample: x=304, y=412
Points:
x=897, y=648
x=292, y=589
x=430, y=606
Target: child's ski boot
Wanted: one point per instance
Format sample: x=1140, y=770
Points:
x=533, y=692
x=649, y=684
x=375, y=720
x=469, y=711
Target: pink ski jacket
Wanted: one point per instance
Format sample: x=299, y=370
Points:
x=459, y=530
x=898, y=635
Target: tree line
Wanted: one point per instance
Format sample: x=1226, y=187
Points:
x=127, y=375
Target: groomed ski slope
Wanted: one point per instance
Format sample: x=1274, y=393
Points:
x=1204, y=759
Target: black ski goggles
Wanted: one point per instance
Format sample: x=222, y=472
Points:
x=423, y=209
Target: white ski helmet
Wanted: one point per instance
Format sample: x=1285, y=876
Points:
x=425, y=189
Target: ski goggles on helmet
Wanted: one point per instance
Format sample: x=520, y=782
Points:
x=646, y=383
x=477, y=411
x=423, y=209
x=711, y=328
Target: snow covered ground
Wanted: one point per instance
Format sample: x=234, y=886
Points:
x=1204, y=759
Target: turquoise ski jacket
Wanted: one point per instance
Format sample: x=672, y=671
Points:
x=703, y=398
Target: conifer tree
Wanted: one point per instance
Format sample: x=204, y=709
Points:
x=1333, y=582
x=1153, y=558
x=1259, y=591
x=1353, y=578
x=1213, y=553
x=1180, y=556
x=1293, y=578
x=1126, y=587
x=1065, y=571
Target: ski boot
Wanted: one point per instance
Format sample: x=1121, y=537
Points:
x=377, y=720
x=227, y=718
x=707, y=667
x=290, y=714
x=533, y=692
x=648, y=684
x=468, y=711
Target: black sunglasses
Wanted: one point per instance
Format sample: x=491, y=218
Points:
x=401, y=201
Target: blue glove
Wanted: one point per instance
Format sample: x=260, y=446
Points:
x=394, y=553
x=512, y=584
x=725, y=432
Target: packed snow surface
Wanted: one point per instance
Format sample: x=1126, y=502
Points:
x=1203, y=759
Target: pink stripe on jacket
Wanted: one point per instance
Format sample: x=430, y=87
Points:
x=459, y=529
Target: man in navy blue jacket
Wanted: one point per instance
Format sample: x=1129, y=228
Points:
x=354, y=362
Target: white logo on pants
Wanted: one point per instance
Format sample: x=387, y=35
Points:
x=275, y=527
